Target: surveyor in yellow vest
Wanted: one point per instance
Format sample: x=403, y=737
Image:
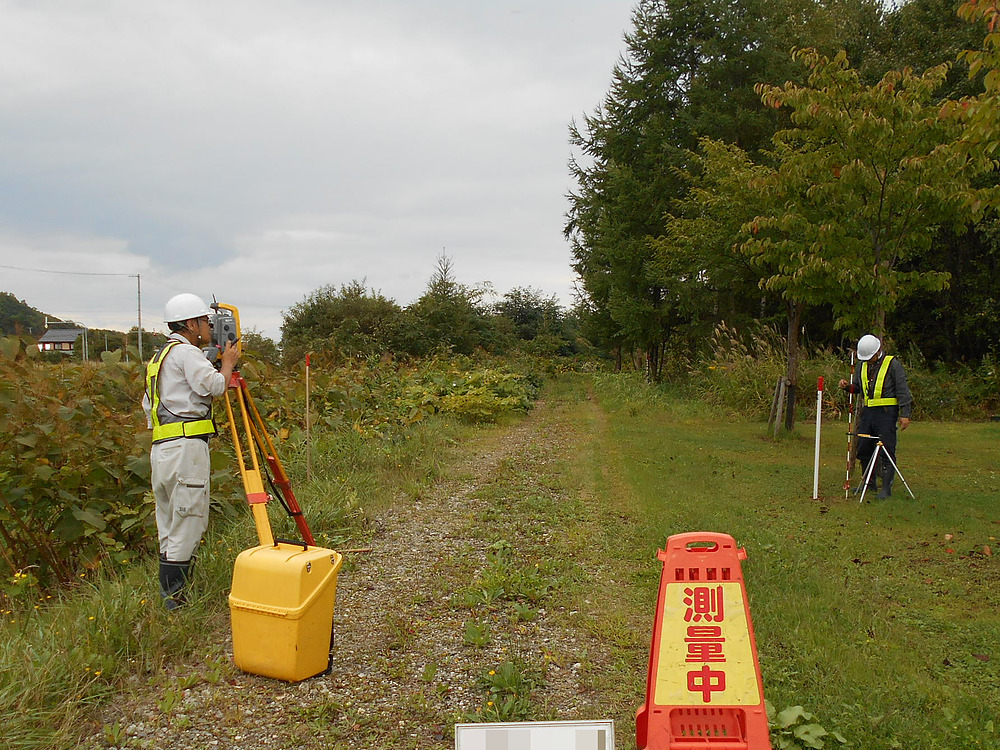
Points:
x=180, y=385
x=886, y=399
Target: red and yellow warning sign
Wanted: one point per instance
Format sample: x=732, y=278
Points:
x=704, y=687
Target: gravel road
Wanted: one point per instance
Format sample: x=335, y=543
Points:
x=403, y=669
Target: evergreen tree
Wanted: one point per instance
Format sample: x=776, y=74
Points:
x=449, y=315
x=689, y=71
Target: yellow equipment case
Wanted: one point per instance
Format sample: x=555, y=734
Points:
x=281, y=606
x=281, y=603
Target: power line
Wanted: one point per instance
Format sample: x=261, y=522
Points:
x=70, y=273
x=136, y=276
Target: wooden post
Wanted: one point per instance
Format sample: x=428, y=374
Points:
x=782, y=385
x=774, y=404
x=308, y=428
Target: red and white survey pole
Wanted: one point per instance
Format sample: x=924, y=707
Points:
x=819, y=424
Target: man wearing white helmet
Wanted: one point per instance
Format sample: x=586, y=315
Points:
x=180, y=385
x=886, y=398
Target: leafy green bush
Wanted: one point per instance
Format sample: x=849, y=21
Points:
x=73, y=475
x=382, y=398
x=794, y=728
x=74, y=465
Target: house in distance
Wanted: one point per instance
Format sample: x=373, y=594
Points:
x=59, y=340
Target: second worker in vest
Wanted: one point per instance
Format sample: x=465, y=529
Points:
x=180, y=386
x=886, y=399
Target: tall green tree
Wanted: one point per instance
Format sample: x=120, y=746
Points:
x=950, y=324
x=689, y=71
x=449, y=314
x=530, y=312
x=865, y=176
x=922, y=34
x=698, y=257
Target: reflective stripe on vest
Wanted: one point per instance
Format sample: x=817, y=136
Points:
x=876, y=398
x=170, y=430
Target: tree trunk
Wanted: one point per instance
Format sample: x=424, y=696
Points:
x=654, y=363
x=879, y=325
x=792, y=373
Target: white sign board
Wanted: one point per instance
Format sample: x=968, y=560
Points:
x=536, y=735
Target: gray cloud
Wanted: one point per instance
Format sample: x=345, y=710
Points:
x=259, y=150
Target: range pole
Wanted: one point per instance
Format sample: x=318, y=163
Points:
x=308, y=428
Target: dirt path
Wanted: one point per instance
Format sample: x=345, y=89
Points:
x=422, y=620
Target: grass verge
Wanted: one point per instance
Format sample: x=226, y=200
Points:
x=881, y=619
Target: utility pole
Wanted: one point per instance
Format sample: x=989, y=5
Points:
x=138, y=294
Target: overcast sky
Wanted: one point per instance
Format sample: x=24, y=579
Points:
x=258, y=150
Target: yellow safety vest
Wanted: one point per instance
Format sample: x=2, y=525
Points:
x=876, y=397
x=170, y=430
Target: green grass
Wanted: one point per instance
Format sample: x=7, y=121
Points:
x=864, y=614
x=867, y=615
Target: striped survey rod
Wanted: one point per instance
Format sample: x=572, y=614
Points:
x=850, y=430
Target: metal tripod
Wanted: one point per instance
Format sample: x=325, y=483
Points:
x=880, y=449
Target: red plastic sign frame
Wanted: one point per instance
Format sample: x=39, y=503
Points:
x=703, y=689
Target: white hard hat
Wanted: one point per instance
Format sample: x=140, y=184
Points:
x=184, y=307
x=868, y=347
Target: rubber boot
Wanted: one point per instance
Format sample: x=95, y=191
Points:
x=888, y=475
x=173, y=580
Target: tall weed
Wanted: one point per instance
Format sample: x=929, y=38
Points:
x=739, y=373
x=74, y=466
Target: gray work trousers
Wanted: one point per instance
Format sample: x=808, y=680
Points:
x=181, y=474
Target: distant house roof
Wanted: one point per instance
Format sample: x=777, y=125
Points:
x=60, y=336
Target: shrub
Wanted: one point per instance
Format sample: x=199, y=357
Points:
x=73, y=476
x=74, y=463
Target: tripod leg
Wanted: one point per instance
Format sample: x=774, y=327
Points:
x=870, y=470
x=900, y=474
